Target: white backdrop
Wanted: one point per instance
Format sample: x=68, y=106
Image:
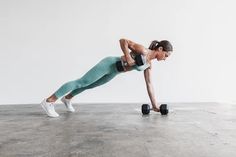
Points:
x=45, y=43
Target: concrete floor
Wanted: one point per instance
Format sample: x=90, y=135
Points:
x=119, y=130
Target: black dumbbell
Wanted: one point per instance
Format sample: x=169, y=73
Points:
x=163, y=109
x=139, y=60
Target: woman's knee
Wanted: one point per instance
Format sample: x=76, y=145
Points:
x=71, y=85
x=81, y=83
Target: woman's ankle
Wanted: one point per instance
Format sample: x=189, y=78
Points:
x=69, y=96
x=50, y=100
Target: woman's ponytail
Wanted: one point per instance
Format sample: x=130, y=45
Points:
x=165, y=44
x=153, y=45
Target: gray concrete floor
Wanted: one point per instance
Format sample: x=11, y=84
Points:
x=119, y=130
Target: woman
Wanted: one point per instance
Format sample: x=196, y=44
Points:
x=107, y=69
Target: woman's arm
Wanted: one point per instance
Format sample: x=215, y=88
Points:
x=150, y=89
x=127, y=45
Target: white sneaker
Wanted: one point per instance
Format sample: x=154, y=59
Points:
x=68, y=104
x=49, y=108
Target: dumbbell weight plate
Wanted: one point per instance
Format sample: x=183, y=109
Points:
x=145, y=109
x=119, y=66
x=139, y=60
x=164, y=109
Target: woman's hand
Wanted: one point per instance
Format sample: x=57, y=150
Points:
x=130, y=61
x=156, y=109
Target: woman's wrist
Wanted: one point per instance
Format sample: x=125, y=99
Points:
x=154, y=107
x=127, y=56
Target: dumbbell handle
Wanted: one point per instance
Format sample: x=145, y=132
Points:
x=151, y=109
x=125, y=63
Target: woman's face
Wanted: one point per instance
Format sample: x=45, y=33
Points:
x=162, y=55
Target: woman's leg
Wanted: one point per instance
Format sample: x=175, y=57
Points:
x=99, y=82
x=97, y=72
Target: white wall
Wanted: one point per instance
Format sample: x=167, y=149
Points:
x=45, y=43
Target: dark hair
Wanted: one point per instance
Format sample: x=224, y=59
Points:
x=164, y=43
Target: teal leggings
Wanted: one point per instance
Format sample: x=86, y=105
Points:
x=100, y=74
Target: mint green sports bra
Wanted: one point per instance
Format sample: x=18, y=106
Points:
x=141, y=68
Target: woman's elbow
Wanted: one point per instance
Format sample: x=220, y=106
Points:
x=123, y=40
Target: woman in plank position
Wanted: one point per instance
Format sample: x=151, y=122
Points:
x=108, y=68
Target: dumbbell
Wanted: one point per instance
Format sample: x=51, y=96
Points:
x=139, y=60
x=163, y=109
